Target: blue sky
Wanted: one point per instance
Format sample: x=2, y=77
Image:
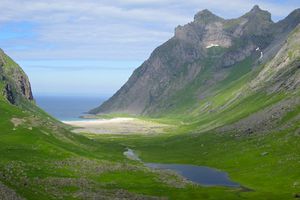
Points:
x=75, y=47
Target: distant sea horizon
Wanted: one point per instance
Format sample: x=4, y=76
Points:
x=68, y=108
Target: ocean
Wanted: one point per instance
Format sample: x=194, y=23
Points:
x=68, y=108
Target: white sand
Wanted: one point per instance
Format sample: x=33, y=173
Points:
x=117, y=126
x=97, y=122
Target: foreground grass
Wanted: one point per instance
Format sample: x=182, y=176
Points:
x=45, y=161
x=268, y=165
x=42, y=160
x=265, y=162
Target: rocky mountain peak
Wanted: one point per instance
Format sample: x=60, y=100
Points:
x=256, y=8
x=196, y=59
x=205, y=16
x=256, y=13
x=256, y=22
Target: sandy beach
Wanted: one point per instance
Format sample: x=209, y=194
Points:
x=117, y=126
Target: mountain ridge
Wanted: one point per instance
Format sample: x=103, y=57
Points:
x=199, y=55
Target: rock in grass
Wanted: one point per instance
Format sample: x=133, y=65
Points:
x=264, y=153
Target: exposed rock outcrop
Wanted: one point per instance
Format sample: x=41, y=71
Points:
x=16, y=84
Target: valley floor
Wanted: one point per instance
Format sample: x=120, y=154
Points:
x=117, y=126
x=265, y=165
x=42, y=160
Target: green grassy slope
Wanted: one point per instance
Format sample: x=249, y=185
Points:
x=267, y=164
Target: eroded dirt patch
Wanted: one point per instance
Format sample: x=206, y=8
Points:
x=17, y=121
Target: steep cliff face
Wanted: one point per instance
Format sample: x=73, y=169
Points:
x=282, y=72
x=14, y=82
x=201, y=55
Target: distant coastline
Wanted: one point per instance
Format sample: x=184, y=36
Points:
x=68, y=108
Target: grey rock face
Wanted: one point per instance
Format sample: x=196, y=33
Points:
x=205, y=17
x=289, y=23
x=180, y=64
x=17, y=85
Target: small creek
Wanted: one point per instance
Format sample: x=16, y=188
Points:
x=198, y=174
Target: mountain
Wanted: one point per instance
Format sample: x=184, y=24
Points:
x=24, y=129
x=14, y=82
x=233, y=89
x=203, y=59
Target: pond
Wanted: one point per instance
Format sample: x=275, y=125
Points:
x=198, y=174
x=202, y=175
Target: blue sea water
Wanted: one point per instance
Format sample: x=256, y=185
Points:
x=67, y=108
